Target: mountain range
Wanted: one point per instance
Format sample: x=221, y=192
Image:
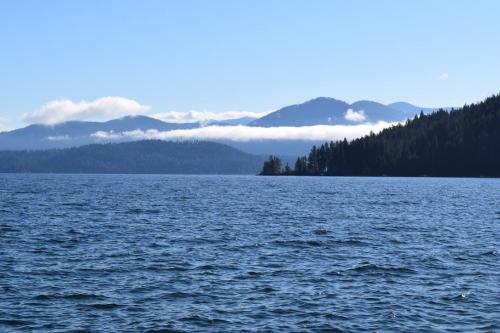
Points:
x=318, y=111
x=330, y=111
x=77, y=133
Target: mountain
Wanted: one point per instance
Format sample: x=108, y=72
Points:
x=374, y=112
x=229, y=122
x=156, y=157
x=131, y=123
x=461, y=143
x=330, y=111
x=410, y=110
x=321, y=110
x=77, y=133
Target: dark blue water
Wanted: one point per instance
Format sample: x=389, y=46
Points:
x=119, y=253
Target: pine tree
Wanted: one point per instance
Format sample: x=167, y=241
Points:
x=288, y=170
x=272, y=166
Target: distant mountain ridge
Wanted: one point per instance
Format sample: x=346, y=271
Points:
x=411, y=109
x=322, y=110
x=330, y=111
x=78, y=133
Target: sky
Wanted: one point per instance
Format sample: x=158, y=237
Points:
x=101, y=59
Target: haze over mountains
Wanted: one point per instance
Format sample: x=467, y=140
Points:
x=319, y=111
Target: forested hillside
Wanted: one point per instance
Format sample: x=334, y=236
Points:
x=135, y=157
x=461, y=143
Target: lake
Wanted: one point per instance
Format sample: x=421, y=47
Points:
x=171, y=253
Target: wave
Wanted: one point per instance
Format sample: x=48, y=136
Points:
x=370, y=268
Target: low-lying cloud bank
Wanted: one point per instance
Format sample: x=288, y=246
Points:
x=104, y=108
x=250, y=133
x=195, y=116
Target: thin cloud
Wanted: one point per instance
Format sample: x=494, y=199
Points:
x=59, y=138
x=250, y=133
x=443, y=76
x=355, y=116
x=195, y=116
x=62, y=110
x=3, y=124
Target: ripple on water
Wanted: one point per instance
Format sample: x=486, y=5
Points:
x=165, y=330
x=490, y=253
x=136, y=253
x=104, y=306
x=70, y=296
x=368, y=268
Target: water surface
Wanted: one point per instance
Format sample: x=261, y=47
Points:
x=137, y=253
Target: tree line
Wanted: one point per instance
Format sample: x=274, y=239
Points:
x=461, y=143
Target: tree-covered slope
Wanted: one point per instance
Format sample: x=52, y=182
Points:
x=461, y=143
x=135, y=157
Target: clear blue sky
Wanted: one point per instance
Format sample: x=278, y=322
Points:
x=246, y=55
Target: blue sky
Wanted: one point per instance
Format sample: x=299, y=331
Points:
x=253, y=56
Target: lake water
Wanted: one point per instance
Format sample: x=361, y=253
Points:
x=138, y=253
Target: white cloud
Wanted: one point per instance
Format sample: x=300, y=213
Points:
x=355, y=116
x=58, y=138
x=58, y=111
x=195, y=116
x=250, y=133
x=443, y=76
